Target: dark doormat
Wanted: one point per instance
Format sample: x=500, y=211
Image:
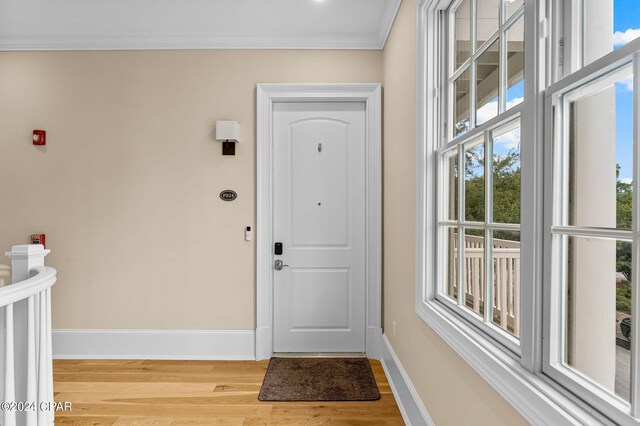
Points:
x=319, y=379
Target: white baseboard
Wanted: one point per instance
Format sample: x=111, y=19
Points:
x=411, y=407
x=154, y=344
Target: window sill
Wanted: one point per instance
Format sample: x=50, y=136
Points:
x=530, y=394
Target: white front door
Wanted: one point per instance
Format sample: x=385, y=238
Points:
x=319, y=217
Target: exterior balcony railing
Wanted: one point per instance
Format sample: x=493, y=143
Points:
x=506, y=280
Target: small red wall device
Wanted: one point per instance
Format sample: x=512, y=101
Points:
x=39, y=137
x=39, y=239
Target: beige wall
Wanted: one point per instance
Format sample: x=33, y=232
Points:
x=128, y=185
x=127, y=188
x=452, y=392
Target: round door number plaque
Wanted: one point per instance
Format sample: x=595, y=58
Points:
x=228, y=195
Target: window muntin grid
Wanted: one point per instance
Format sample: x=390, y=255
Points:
x=486, y=83
x=475, y=249
x=481, y=85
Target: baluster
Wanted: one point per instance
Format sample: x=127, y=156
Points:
x=481, y=282
x=51, y=413
x=9, y=378
x=511, y=283
x=476, y=286
x=2, y=350
x=468, y=273
x=31, y=415
x=503, y=293
x=43, y=416
x=516, y=302
x=497, y=314
x=497, y=278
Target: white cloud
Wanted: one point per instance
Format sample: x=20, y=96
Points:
x=626, y=180
x=487, y=112
x=490, y=110
x=623, y=37
x=627, y=83
x=514, y=102
x=508, y=141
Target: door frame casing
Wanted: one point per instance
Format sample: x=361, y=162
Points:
x=266, y=96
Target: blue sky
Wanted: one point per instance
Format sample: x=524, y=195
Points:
x=626, y=16
x=626, y=26
x=624, y=131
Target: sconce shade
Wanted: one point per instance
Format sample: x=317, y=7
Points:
x=228, y=131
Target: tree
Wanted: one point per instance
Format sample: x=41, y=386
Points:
x=506, y=189
x=506, y=206
x=624, y=220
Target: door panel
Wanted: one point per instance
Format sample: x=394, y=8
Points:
x=320, y=298
x=321, y=183
x=319, y=216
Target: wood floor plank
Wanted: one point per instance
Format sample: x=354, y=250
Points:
x=138, y=388
x=144, y=421
x=135, y=392
x=227, y=421
x=85, y=420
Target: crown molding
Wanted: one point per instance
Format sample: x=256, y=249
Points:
x=386, y=22
x=190, y=42
x=206, y=41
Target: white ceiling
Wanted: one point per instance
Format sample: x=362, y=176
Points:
x=195, y=24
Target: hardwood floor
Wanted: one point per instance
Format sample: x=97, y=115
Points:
x=198, y=393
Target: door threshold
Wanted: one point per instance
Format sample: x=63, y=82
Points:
x=319, y=355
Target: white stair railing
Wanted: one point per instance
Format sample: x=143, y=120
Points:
x=26, y=363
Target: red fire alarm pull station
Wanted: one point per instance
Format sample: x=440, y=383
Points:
x=39, y=137
x=39, y=239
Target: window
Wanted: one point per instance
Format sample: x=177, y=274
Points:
x=528, y=199
x=479, y=218
x=594, y=238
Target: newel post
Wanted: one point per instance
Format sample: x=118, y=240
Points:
x=23, y=259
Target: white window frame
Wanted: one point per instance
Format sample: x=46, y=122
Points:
x=479, y=133
x=604, y=401
x=518, y=379
x=475, y=132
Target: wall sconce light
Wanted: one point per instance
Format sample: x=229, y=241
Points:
x=228, y=132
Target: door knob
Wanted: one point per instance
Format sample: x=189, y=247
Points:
x=279, y=265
